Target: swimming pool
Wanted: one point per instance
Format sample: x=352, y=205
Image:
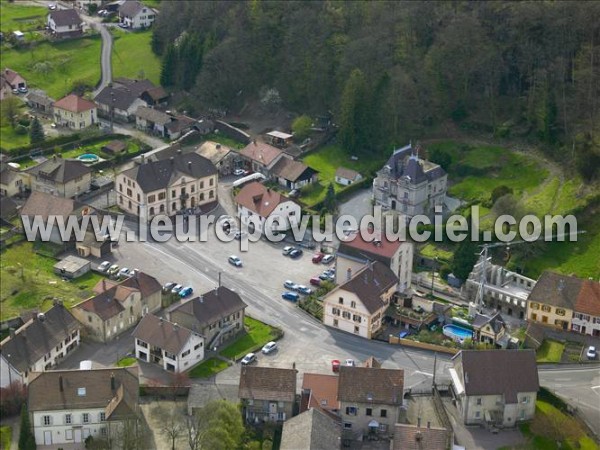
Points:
x=88, y=158
x=457, y=333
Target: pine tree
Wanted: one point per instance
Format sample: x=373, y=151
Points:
x=169, y=67
x=36, y=131
x=330, y=202
x=26, y=439
x=354, y=113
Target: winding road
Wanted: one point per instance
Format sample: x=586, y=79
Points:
x=105, y=58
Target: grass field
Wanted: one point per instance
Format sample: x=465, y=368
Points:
x=57, y=67
x=551, y=429
x=28, y=281
x=96, y=149
x=326, y=160
x=435, y=251
x=550, y=351
x=258, y=334
x=5, y=437
x=14, y=16
x=126, y=362
x=9, y=139
x=132, y=55
x=208, y=368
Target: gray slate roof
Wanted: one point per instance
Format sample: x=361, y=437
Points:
x=496, y=322
x=371, y=385
x=60, y=170
x=556, y=289
x=311, y=430
x=130, y=8
x=402, y=164
x=162, y=334
x=123, y=97
x=268, y=383
x=369, y=283
x=153, y=115
x=212, y=306
x=154, y=175
x=65, y=17
x=494, y=372
x=38, y=337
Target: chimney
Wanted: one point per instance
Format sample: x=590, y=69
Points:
x=294, y=365
x=175, y=327
x=254, y=141
x=60, y=383
x=172, y=159
x=143, y=159
x=216, y=290
x=561, y=284
x=179, y=151
x=418, y=422
x=428, y=424
x=418, y=436
x=190, y=165
x=201, y=299
x=348, y=274
x=160, y=321
x=11, y=332
x=112, y=381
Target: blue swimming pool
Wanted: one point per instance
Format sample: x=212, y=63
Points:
x=457, y=333
x=88, y=158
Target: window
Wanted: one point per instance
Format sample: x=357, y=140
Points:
x=103, y=431
x=184, y=354
x=357, y=318
x=81, y=392
x=120, y=187
x=534, y=316
x=193, y=188
x=353, y=304
x=382, y=427
x=46, y=420
x=90, y=319
x=173, y=193
x=85, y=418
x=560, y=312
x=522, y=414
x=546, y=308
x=369, y=412
x=384, y=413
x=129, y=192
x=335, y=323
x=102, y=417
x=351, y=410
x=211, y=194
x=479, y=401
x=534, y=305
x=356, y=329
x=347, y=425
x=161, y=196
x=346, y=315
x=525, y=400
x=197, y=346
x=202, y=185
x=211, y=182
x=477, y=414
x=151, y=198
x=68, y=419
x=341, y=301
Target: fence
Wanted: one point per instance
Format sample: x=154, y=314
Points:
x=422, y=345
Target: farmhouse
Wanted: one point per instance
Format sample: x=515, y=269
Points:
x=293, y=174
x=136, y=15
x=60, y=177
x=65, y=23
x=223, y=157
x=346, y=177
x=260, y=157
x=75, y=112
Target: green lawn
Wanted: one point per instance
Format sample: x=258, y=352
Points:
x=126, y=362
x=132, y=55
x=551, y=429
x=208, y=368
x=327, y=160
x=550, y=351
x=56, y=67
x=28, y=281
x=5, y=437
x=9, y=139
x=96, y=149
x=14, y=16
x=224, y=140
x=258, y=334
x=431, y=250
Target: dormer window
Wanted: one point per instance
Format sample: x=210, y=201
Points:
x=81, y=392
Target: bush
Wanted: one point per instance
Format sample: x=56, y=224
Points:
x=24, y=121
x=445, y=270
x=301, y=127
x=21, y=130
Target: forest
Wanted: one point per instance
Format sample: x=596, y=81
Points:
x=394, y=71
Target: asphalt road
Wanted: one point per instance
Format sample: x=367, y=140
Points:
x=105, y=58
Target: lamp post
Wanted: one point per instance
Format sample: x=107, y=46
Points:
x=433, y=274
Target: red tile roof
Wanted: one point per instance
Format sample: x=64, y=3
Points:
x=74, y=103
x=323, y=391
x=381, y=247
x=588, y=300
x=261, y=152
x=259, y=199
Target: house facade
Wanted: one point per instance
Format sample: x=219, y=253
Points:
x=225, y=159
x=260, y=157
x=409, y=185
x=370, y=400
x=489, y=391
x=118, y=307
x=173, y=347
x=359, y=304
x=261, y=207
x=167, y=186
x=41, y=343
x=136, y=15
x=60, y=177
x=75, y=112
x=489, y=329
x=14, y=80
x=346, y=177
x=152, y=121
x=565, y=302
x=67, y=406
x=11, y=181
x=293, y=174
x=267, y=394
x=65, y=23
x=217, y=315
x=358, y=249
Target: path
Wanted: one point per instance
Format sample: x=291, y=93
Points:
x=105, y=58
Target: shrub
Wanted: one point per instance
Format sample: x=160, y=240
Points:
x=21, y=130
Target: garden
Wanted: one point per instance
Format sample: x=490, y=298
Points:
x=208, y=368
x=257, y=335
x=132, y=56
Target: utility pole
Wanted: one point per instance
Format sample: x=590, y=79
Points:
x=219, y=278
x=434, y=368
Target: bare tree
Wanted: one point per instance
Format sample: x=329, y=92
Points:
x=172, y=424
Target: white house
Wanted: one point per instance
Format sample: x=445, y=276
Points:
x=135, y=14
x=65, y=23
x=173, y=347
x=67, y=406
x=495, y=387
x=38, y=345
x=346, y=177
x=258, y=204
x=359, y=304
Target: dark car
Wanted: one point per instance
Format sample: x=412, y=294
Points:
x=315, y=281
x=296, y=253
x=291, y=296
x=317, y=257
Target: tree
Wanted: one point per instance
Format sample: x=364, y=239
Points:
x=441, y=157
x=464, y=259
x=500, y=191
x=26, y=438
x=330, y=202
x=36, y=131
x=11, y=398
x=171, y=424
x=169, y=67
x=91, y=9
x=301, y=127
x=216, y=426
x=353, y=113
x=10, y=110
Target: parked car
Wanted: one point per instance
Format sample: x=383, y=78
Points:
x=133, y=272
x=315, y=281
x=324, y=277
x=304, y=290
x=328, y=259
x=248, y=359
x=168, y=286
x=104, y=266
x=186, y=291
x=23, y=90
x=291, y=296
x=269, y=347
x=350, y=363
x=317, y=257
x=124, y=272
x=123, y=25
x=591, y=352
x=52, y=6
x=176, y=289
x=287, y=250
x=288, y=284
x=113, y=270
x=296, y=253
x=335, y=365
x=403, y=334
x=239, y=172
x=294, y=193
x=235, y=261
